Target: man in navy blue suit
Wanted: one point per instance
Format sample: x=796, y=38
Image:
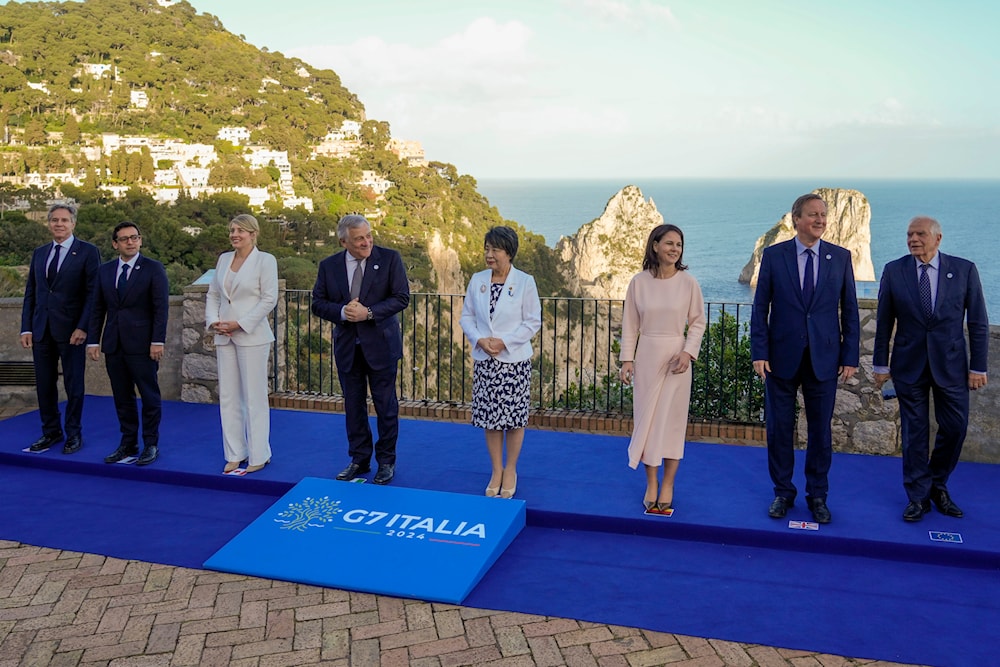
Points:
x=928, y=297
x=362, y=290
x=131, y=305
x=54, y=318
x=804, y=332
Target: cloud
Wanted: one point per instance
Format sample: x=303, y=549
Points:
x=486, y=60
x=636, y=14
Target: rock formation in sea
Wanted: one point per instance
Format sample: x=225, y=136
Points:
x=848, y=224
x=601, y=258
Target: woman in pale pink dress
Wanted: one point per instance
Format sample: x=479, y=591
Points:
x=662, y=326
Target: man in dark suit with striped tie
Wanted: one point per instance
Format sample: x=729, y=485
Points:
x=131, y=304
x=928, y=298
x=54, y=318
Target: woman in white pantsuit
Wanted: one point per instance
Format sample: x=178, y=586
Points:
x=241, y=295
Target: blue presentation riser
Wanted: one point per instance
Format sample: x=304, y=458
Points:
x=428, y=545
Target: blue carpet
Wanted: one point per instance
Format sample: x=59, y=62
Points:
x=867, y=585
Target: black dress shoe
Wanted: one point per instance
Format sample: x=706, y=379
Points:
x=122, y=453
x=149, y=454
x=820, y=512
x=779, y=507
x=915, y=511
x=73, y=444
x=385, y=473
x=943, y=502
x=352, y=471
x=45, y=442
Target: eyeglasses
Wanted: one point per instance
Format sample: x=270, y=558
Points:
x=130, y=239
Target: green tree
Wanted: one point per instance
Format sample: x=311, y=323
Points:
x=34, y=132
x=71, y=133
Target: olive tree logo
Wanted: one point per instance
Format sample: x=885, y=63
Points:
x=309, y=513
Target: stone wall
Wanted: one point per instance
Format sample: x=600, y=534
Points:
x=863, y=422
x=97, y=377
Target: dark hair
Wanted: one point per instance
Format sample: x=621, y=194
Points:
x=650, y=262
x=801, y=202
x=123, y=225
x=504, y=238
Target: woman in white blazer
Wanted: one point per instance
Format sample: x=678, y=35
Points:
x=500, y=316
x=242, y=293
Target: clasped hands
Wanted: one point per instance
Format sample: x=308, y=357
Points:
x=491, y=346
x=225, y=327
x=678, y=363
x=355, y=311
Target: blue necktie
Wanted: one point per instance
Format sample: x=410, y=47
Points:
x=122, y=281
x=924, y=286
x=50, y=273
x=808, y=280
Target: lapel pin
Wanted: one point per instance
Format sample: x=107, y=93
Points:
x=510, y=291
x=951, y=275
x=375, y=267
x=482, y=288
x=829, y=256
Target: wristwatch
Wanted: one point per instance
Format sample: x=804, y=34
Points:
x=371, y=315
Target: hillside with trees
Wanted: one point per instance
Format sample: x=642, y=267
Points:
x=69, y=73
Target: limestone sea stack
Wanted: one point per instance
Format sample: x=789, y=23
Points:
x=601, y=258
x=848, y=224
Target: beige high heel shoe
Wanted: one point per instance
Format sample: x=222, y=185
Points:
x=509, y=493
x=257, y=467
x=231, y=466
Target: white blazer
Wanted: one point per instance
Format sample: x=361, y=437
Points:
x=251, y=298
x=516, y=318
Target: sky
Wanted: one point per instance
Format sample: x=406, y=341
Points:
x=661, y=88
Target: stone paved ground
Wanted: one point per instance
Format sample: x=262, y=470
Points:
x=67, y=608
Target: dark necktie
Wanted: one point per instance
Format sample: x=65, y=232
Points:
x=808, y=280
x=50, y=273
x=925, y=291
x=122, y=281
x=359, y=274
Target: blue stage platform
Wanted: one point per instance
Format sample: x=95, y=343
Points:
x=866, y=585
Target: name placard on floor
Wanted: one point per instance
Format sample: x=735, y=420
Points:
x=430, y=545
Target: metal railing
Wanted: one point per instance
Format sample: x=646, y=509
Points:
x=575, y=364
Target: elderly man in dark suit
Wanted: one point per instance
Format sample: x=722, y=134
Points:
x=928, y=297
x=131, y=305
x=55, y=315
x=362, y=290
x=804, y=332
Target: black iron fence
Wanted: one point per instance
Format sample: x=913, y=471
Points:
x=575, y=365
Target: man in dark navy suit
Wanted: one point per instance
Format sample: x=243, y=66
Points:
x=804, y=332
x=362, y=290
x=928, y=297
x=58, y=298
x=131, y=305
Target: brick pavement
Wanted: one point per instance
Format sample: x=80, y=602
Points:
x=67, y=608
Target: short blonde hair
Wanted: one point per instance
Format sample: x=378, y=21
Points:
x=247, y=223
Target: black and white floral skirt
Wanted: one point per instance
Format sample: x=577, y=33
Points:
x=501, y=393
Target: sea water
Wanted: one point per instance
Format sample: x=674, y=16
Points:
x=722, y=219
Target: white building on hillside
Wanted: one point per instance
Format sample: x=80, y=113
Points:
x=377, y=184
x=138, y=99
x=234, y=135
